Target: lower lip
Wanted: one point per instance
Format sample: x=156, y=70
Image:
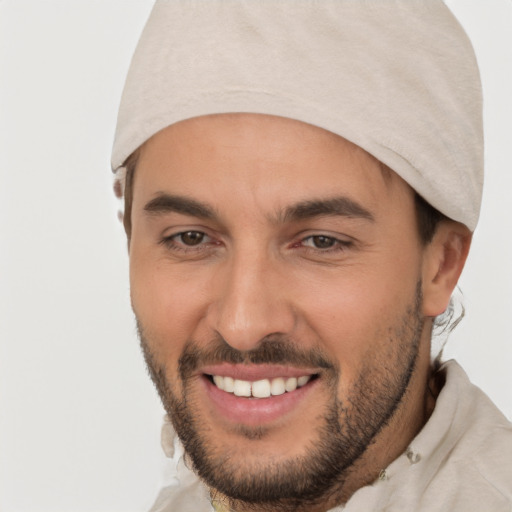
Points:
x=256, y=411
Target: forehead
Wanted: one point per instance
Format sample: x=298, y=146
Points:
x=260, y=160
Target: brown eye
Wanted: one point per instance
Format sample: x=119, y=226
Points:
x=323, y=242
x=192, y=237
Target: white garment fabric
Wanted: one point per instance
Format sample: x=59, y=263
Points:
x=398, y=78
x=461, y=461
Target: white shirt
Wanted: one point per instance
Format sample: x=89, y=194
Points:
x=461, y=461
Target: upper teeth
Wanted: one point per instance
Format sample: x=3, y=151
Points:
x=260, y=388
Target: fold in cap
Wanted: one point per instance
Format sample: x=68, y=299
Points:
x=397, y=77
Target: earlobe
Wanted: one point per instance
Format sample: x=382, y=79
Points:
x=444, y=260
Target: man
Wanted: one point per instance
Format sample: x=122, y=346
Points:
x=301, y=183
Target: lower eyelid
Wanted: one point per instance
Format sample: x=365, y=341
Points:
x=337, y=249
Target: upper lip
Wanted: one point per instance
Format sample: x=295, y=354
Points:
x=255, y=372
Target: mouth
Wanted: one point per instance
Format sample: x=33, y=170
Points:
x=262, y=388
x=259, y=394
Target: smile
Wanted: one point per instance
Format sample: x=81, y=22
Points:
x=263, y=388
x=261, y=394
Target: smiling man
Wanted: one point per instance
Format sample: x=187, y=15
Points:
x=301, y=182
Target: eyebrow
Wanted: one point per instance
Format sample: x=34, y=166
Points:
x=335, y=207
x=165, y=203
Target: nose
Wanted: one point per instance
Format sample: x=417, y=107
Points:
x=251, y=303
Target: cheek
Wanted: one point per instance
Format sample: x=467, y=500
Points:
x=168, y=306
x=355, y=313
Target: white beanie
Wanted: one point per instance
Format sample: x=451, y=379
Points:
x=398, y=78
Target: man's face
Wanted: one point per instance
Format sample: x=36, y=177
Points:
x=268, y=251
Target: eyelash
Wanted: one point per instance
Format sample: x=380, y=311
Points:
x=171, y=243
x=336, y=247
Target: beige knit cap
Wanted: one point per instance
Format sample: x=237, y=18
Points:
x=397, y=77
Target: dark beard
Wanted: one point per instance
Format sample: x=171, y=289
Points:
x=347, y=428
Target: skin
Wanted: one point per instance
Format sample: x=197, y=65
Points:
x=248, y=274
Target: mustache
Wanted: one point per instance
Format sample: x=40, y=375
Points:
x=273, y=349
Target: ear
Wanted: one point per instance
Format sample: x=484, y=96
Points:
x=444, y=260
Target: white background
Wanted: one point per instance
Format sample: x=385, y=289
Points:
x=79, y=420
